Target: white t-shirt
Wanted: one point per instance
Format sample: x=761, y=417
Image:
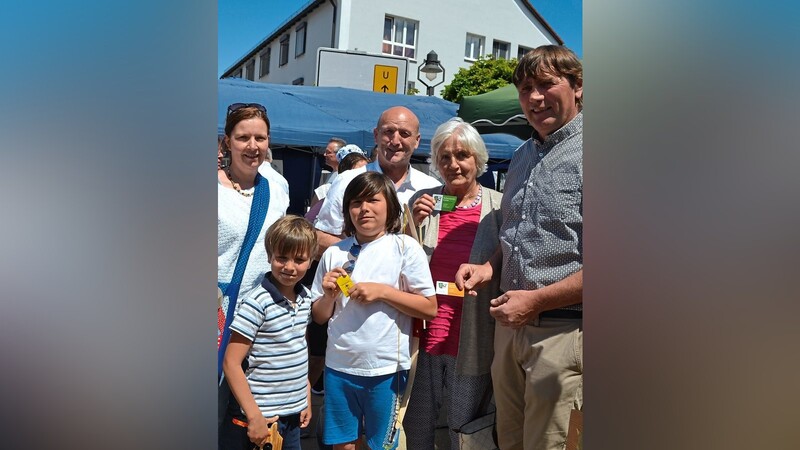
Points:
x=330, y=218
x=373, y=339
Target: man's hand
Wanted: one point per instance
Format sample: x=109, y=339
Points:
x=473, y=276
x=514, y=309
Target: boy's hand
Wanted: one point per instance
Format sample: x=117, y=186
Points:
x=258, y=429
x=368, y=292
x=329, y=285
x=305, y=416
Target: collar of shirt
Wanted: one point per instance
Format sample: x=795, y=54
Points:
x=276, y=295
x=407, y=183
x=573, y=126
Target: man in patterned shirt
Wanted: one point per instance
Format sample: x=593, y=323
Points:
x=539, y=337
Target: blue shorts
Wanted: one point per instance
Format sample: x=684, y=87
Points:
x=356, y=405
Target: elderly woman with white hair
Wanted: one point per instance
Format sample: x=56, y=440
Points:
x=459, y=223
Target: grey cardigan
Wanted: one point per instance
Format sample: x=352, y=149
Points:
x=476, y=343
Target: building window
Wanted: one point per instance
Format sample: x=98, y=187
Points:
x=500, y=49
x=250, y=70
x=400, y=37
x=474, y=47
x=265, y=57
x=300, y=40
x=284, y=50
x=521, y=51
x=299, y=81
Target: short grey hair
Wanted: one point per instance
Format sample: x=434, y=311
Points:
x=468, y=136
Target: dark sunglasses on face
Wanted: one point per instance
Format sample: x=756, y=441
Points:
x=237, y=106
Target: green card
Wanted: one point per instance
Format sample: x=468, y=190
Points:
x=444, y=202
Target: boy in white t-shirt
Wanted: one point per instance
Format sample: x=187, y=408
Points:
x=367, y=358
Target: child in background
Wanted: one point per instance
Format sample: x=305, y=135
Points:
x=367, y=357
x=269, y=330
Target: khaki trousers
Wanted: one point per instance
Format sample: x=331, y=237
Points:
x=537, y=374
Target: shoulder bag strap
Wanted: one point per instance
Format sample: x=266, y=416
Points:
x=258, y=213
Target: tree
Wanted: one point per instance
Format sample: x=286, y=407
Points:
x=486, y=74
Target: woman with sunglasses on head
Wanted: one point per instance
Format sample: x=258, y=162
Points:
x=247, y=204
x=456, y=348
x=369, y=285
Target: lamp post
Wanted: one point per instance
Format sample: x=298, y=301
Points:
x=431, y=67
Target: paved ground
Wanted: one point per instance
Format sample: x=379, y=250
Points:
x=310, y=443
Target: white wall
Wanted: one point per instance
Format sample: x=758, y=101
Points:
x=442, y=26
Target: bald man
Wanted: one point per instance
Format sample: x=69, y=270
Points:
x=396, y=136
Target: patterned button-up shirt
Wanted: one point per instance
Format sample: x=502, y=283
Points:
x=542, y=232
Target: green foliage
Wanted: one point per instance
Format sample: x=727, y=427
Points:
x=412, y=91
x=486, y=74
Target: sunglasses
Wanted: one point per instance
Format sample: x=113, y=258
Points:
x=237, y=106
x=352, y=256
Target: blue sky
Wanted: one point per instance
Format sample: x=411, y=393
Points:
x=245, y=23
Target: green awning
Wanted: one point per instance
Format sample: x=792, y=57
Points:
x=497, y=111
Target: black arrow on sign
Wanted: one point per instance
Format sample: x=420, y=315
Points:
x=385, y=88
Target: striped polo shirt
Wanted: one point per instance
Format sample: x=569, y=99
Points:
x=278, y=360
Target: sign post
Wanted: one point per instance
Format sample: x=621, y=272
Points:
x=361, y=70
x=385, y=79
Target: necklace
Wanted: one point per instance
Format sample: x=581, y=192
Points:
x=237, y=188
x=474, y=202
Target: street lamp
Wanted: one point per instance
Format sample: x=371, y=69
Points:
x=431, y=67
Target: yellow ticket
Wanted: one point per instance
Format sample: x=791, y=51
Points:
x=345, y=284
x=445, y=288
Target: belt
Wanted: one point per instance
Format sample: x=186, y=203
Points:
x=557, y=314
x=561, y=314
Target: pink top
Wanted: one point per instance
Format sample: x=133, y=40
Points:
x=456, y=234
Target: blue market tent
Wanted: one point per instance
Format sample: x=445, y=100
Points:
x=304, y=118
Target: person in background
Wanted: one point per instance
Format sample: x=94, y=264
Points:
x=331, y=152
x=241, y=188
x=396, y=136
x=456, y=350
x=537, y=370
x=367, y=358
x=268, y=331
x=332, y=161
x=353, y=160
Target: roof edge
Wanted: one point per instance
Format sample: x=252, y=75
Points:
x=287, y=24
x=544, y=23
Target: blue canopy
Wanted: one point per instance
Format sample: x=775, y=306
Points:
x=307, y=116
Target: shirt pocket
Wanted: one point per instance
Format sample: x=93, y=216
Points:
x=559, y=195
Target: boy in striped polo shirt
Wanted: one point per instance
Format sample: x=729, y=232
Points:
x=269, y=330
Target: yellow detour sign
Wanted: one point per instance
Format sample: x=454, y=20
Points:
x=385, y=79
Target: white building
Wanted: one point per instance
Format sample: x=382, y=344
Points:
x=457, y=30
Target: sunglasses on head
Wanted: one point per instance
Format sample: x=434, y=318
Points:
x=237, y=106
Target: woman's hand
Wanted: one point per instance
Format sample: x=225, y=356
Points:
x=422, y=208
x=258, y=429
